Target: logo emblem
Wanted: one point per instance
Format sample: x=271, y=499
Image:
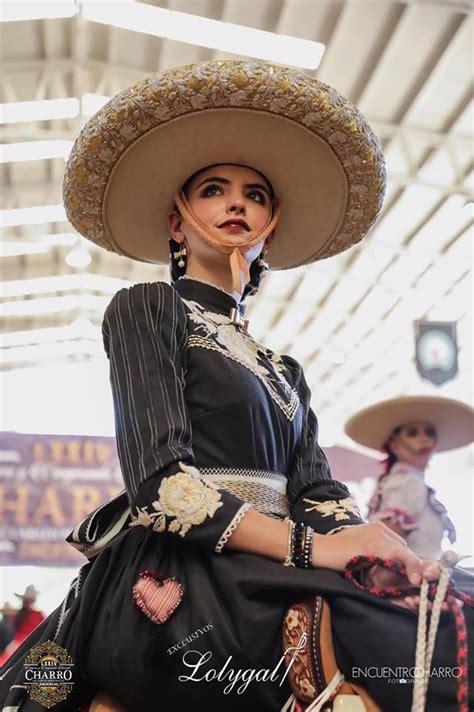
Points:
x=48, y=675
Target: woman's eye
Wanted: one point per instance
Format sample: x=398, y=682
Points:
x=258, y=196
x=430, y=433
x=211, y=190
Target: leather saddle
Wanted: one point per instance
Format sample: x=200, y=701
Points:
x=307, y=626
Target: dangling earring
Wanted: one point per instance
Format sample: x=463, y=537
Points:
x=181, y=254
x=262, y=265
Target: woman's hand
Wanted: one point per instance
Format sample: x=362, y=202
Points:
x=371, y=539
x=380, y=577
x=431, y=572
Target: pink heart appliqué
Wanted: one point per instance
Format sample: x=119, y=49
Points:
x=157, y=596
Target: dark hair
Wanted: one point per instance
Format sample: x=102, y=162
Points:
x=388, y=463
x=391, y=458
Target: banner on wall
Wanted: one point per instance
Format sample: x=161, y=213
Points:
x=48, y=483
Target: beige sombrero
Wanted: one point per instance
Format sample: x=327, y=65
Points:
x=31, y=593
x=453, y=420
x=315, y=147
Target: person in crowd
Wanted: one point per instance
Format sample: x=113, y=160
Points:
x=28, y=617
x=23, y=621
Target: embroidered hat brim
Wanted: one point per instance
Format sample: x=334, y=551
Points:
x=315, y=147
x=453, y=420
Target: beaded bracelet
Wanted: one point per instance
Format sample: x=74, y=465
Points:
x=303, y=547
x=300, y=545
x=298, y=533
x=308, y=548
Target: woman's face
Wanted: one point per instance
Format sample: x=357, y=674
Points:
x=414, y=443
x=233, y=199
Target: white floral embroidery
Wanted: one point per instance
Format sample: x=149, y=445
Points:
x=145, y=519
x=216, y=332
x=185, y=497
x=334, y=508
x=338, y=529
x=277, y=362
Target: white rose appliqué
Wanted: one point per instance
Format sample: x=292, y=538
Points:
x=186, y=498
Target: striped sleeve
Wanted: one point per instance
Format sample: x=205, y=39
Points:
x=145, y=339
x=315, y=497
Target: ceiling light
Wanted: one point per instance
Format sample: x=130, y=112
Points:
x=79, y=258
x=43, y=305
x=44, y=109
x=34, y=150
x=50, y=109
x=12, y=248
x=32, y=216
x=15, y=11
x=177, y=26
x=63, y=283
x=202, y=31
x=39, y=353
x=49, y=335
x=19, y=246
x=53, y=305
x=41, y=285
x=59, y=238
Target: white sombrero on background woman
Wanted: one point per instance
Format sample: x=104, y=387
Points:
x=453, y=420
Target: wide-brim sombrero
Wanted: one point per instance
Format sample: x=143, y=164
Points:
x=453, y=420
x=314, y=146
x=31, y=593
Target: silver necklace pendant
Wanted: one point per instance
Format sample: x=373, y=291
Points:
x=237, y=320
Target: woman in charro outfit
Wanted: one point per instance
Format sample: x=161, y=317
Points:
x=409, y=429
x=216, y=438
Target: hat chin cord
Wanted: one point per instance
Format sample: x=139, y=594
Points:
x=228, y=245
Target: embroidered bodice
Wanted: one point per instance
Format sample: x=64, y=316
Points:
x=208, y=422
x=211, y=328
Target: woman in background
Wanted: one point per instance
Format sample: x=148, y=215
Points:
x=409, y=430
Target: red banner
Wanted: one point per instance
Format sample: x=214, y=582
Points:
x=48, y=483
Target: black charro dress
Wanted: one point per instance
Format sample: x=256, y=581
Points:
x=193, y=390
